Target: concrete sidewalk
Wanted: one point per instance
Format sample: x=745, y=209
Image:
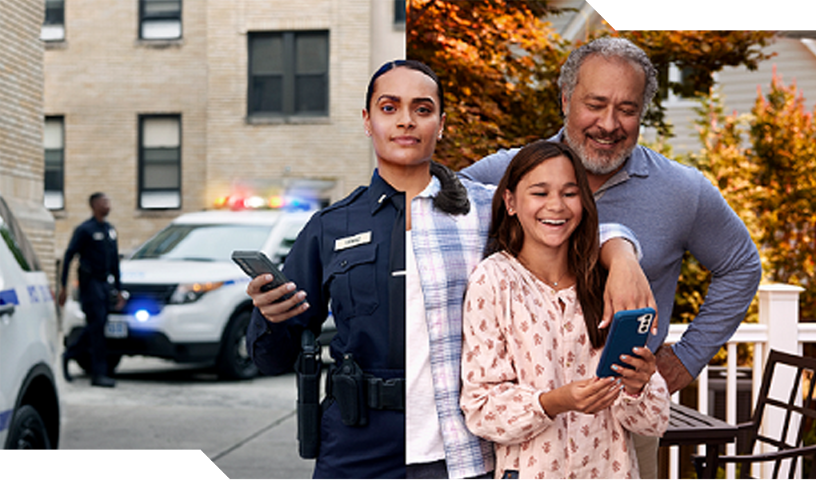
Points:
x=248, y=429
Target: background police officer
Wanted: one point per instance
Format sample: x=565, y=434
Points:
x=95, y=242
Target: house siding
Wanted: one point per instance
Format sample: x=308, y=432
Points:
x=739, y=89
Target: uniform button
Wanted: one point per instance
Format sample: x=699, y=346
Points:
x=344, y=263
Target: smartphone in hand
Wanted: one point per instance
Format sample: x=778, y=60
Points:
x=630, y=328
x=255, y=263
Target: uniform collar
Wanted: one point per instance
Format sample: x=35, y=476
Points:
x=379, y=191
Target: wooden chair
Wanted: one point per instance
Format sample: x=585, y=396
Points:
x=750, y=434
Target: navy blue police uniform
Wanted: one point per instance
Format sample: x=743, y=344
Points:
x=350, y=255
x=98, y=274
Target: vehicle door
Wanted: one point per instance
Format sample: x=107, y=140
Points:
x=28, y=327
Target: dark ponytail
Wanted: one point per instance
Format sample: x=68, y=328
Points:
x=453, y=196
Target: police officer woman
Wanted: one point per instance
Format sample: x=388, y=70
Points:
x=354, y=253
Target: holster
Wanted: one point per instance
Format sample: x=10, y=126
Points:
x=347, y=387
x=355, y=392
x=308, y=404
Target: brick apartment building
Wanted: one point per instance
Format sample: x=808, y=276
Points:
x=21, y=127
x=168, y=105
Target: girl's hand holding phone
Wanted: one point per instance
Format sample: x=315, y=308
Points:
x=588, y=396
x=634, y=380
x=269, y=303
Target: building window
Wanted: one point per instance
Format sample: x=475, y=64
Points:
x=289, y=74
x=54, y=143
x=159, y=161
x=159, y=19
x=53, y=28
x=672, y=75
x=399, y=12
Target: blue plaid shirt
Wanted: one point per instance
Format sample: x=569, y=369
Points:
x=447, y=249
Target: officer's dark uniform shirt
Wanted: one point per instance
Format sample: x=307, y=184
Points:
x=351, y=257
x=95, y=242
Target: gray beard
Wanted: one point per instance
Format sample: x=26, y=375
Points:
x=595, y=164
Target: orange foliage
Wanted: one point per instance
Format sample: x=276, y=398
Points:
x=499, y=62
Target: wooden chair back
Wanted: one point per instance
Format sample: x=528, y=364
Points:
x=798, y=405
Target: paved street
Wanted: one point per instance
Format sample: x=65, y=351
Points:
x=246, y=428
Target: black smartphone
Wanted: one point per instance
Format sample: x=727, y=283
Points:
x=630, y=328
x=254, y=263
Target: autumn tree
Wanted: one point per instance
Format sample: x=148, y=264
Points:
x=783, y=138
x=498, y=62
x=763, y=163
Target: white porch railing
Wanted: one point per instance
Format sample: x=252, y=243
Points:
x=778, y=329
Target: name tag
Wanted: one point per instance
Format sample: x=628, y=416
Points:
x=98, y=236
x=353, y=241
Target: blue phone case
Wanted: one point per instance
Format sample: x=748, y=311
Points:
x=630, y=328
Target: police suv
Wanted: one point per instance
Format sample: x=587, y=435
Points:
x=29, y=402
x=186, y=299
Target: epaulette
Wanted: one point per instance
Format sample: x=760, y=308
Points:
x=346, y=201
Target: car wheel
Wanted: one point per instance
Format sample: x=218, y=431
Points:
x=233, y=360
x=27, y=431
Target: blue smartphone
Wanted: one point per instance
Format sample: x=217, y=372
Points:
x=630, y=328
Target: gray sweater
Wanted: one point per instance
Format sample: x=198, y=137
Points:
x=672, y=208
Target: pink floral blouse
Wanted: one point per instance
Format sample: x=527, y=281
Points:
x=519, y=343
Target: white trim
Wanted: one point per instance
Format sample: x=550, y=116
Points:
x=580, y=22
x=810, y=44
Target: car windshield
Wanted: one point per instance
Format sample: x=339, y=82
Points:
x=206, y=243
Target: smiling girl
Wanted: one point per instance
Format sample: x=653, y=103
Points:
x=531, y=336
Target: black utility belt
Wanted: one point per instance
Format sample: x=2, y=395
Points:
x=99, y=276
x=355, y=392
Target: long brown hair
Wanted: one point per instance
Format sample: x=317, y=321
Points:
x=507, y=234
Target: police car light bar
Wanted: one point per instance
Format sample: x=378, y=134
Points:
x=255, y=202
